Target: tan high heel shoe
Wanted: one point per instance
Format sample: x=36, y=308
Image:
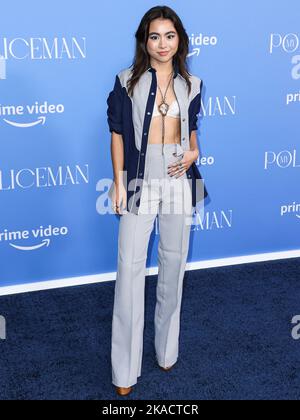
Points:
x=123, y=391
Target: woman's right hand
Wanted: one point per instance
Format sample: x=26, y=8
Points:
x=119, y=197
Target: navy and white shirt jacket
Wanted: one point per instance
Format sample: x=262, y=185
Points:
x=131, y=117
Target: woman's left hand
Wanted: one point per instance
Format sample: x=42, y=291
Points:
x=189, y=156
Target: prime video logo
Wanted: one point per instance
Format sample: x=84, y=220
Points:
x=2, y=68
x=2, y=328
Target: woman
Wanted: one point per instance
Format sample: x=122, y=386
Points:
x=152, y=115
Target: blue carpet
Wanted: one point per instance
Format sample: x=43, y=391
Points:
x=235, y=339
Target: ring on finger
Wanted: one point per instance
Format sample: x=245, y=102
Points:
x=180, y=173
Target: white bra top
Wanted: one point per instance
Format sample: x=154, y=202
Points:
x=173, y=110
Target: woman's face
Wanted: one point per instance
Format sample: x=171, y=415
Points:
x=163, y=38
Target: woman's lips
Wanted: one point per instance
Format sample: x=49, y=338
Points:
x=163, y=53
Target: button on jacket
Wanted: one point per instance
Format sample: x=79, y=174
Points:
x=131, y=117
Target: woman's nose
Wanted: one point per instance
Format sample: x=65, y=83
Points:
x=162, y=43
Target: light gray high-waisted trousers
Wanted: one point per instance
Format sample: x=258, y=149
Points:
x=171, y=200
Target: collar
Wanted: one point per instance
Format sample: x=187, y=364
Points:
x=175, y=68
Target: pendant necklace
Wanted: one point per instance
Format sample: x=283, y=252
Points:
x=163, y=108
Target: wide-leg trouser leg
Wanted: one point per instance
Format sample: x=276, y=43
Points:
x=172, y=254
x=174, y=230
x=128, y=310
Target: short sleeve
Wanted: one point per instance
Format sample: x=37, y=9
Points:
x=195, y=107
x=114, y=107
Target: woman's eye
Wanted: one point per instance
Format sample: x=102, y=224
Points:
x=155, y=37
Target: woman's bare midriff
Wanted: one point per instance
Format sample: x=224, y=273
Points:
x=172, y=130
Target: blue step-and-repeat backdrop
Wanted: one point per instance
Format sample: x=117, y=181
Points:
x=58, y=63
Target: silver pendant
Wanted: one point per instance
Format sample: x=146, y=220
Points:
x=163, y=108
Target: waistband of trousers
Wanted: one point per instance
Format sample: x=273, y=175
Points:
x=157, y=148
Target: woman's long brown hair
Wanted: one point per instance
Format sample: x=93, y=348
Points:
x=141, y=60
